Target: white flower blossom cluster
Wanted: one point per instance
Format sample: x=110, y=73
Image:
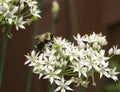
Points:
x=64, y=63
x=18, y=12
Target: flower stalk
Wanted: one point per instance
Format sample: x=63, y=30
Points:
x=82, y=89
x=52, y=87
x=6, y=30
x=36, y=30
x=55, y=11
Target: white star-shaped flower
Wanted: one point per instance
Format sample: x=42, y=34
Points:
x=63, y=85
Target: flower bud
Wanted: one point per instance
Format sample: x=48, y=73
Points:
x=110, y=52
x=55, y=9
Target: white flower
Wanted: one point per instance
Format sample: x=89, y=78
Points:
x=80, y=40
x=32, y=58
x=92, y=64
x=63, y=85
x=35, y=12
x=110, y=52
x=48, y=63
x=96, y=38
x=21, y=6
x=31, y=3
x=52, y=75
x=4, y=9
x=18, y=12
x=100, y=57
x=80, y=68
x=104, y=70
x=49, y=52
x=113, y=73
x=91, y=38
x=102, y=41
x=19, y=23
x=61, y=44
x=60, y=63
x=72, y=51
x=96, y=45
x=10, y=16
x=114, y=50
x=63, y=58
x=22, y=1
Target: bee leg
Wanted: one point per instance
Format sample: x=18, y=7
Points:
x=40, y=47
x=51, y=36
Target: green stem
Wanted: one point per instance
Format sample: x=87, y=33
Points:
x=36, y=30
x=52, y=87
x=82, y=89
x=29, y=81
x=53, y=25
x=55, y=12
x=3, y=55
x=93, y=79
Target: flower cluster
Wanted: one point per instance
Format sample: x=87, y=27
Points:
x=64, y=63
x=18, y=12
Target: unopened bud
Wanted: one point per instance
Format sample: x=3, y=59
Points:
x=55, y=9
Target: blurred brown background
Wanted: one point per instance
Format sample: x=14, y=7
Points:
x=75, y=16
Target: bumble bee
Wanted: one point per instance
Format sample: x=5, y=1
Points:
x=42, y=40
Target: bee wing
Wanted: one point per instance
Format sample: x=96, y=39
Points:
x=36, y=36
